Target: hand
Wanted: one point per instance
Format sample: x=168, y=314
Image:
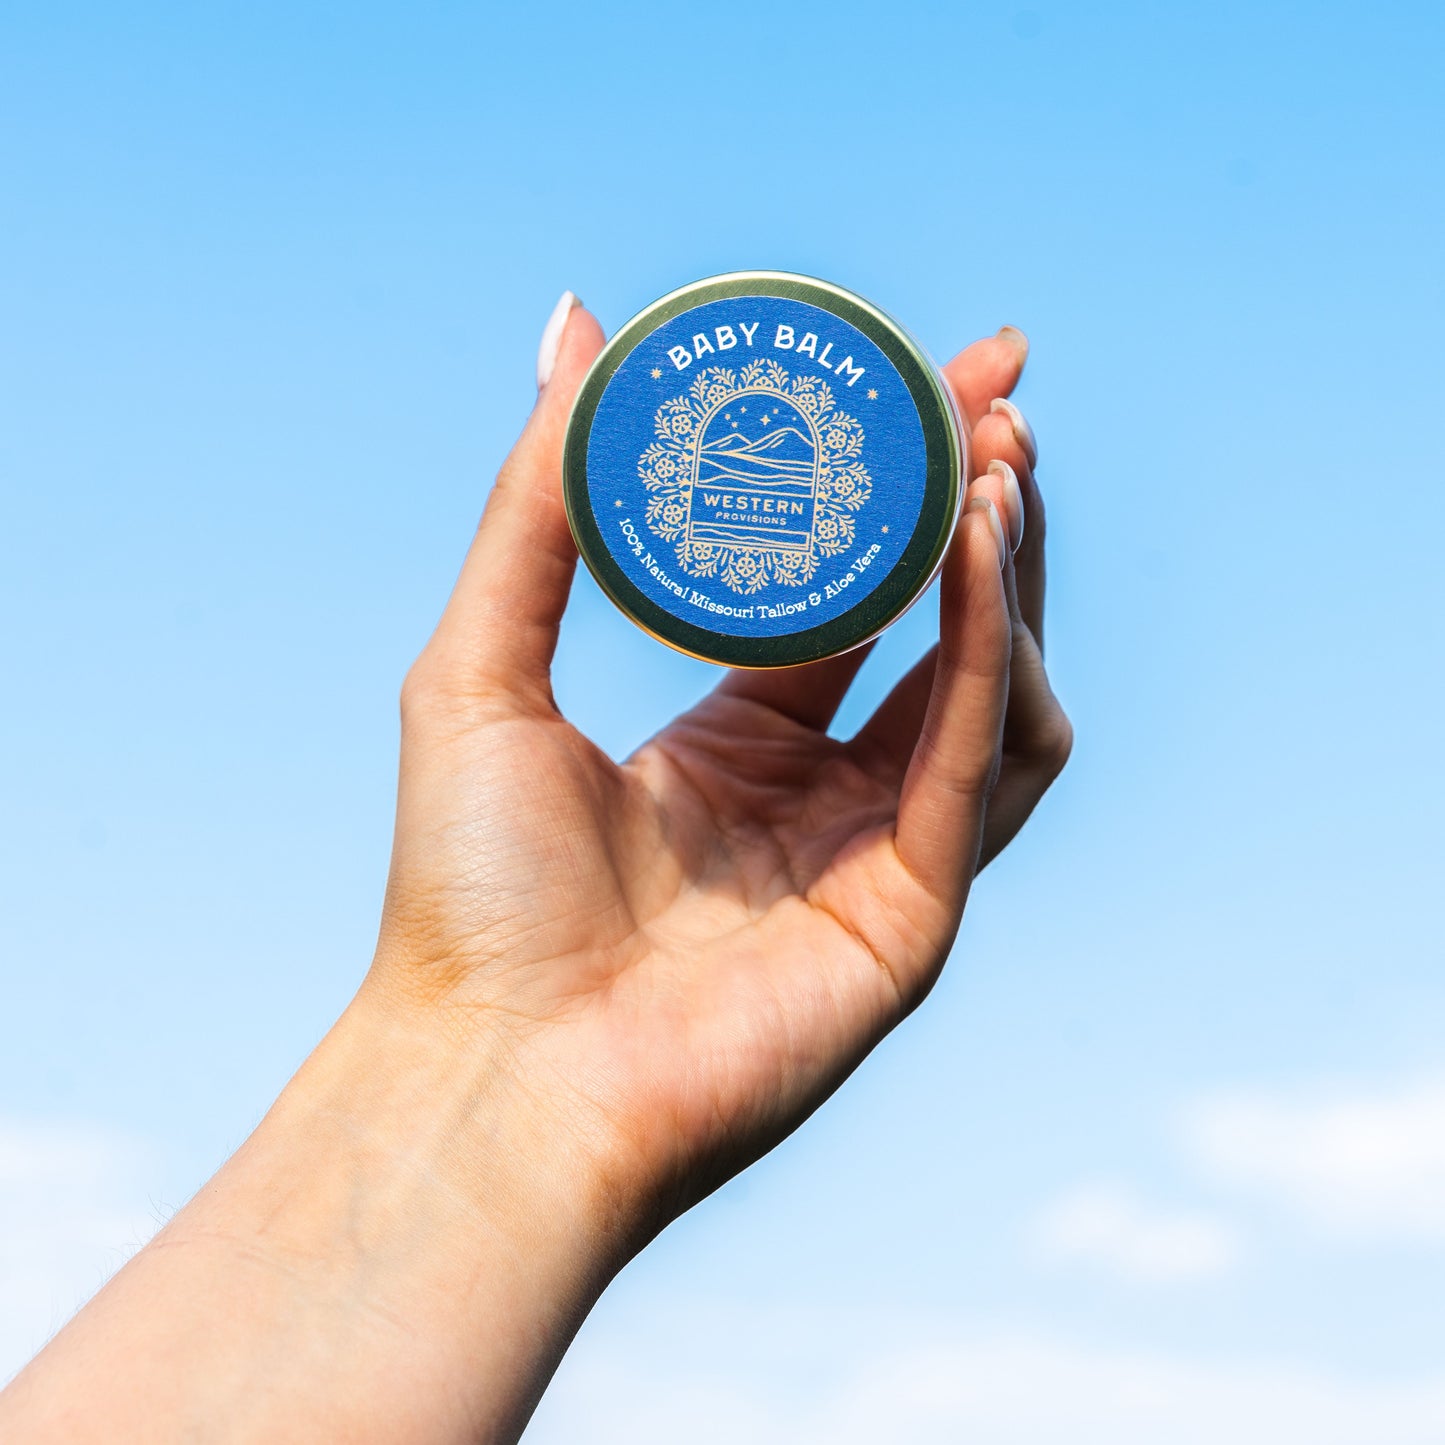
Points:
x=686, y=953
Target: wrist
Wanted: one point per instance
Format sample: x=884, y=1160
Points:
x=404, y=1119
x=425, y=1213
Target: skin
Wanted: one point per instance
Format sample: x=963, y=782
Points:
x=599, y=990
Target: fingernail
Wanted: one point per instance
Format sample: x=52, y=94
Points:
x=552, y=337
x=985, y=504
x=1013, y=497
x=1023, y=432
x=1017, y=340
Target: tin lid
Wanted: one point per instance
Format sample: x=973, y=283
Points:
x=763, y=469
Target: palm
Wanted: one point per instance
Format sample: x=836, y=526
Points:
x=721, y=915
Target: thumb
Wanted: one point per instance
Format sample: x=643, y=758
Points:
x=500, y=627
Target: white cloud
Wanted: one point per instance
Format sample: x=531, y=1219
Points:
x=71, y=1211
x=1367, y=1162
x=719, y=1376
x=1106, y=1224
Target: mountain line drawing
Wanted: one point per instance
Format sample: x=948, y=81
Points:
x=787, y=442
x=784, y=458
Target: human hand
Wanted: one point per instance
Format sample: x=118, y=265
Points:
x=685, y=953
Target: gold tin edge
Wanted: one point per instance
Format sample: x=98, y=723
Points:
x=696, y=293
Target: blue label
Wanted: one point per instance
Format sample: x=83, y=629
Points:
x=756, y=466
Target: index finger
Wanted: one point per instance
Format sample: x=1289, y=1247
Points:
x=955, y=761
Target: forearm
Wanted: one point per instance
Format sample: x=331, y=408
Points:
x=401, y=1252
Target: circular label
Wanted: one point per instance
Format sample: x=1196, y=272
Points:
x=756, y=466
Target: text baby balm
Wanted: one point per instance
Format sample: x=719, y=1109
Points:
x=763, y=469
x=785, y=338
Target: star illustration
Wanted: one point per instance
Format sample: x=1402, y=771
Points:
x=618, y=504
x=742, y=408
x=885, y=527
x=657, y=373
x=766, y=418
x=872, y=395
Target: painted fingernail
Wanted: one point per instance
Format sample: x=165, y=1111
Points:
x=1013, y=499
x=985, y=504
x=552, y=337
x=1023, y=432
x=1017, y=340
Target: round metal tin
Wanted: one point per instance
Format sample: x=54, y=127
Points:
x=762, y=469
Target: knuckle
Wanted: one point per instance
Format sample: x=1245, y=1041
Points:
x=423, y=689
x=513, y=484
x=448, y=691
x=993, y=437
x=1036, y=514
x=968, y=772
x=1056, y=742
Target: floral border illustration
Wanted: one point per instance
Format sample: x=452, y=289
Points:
x=669, y=464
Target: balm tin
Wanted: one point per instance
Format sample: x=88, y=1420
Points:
x=763, y=469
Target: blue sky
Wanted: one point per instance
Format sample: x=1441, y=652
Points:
x=1170, y=1135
